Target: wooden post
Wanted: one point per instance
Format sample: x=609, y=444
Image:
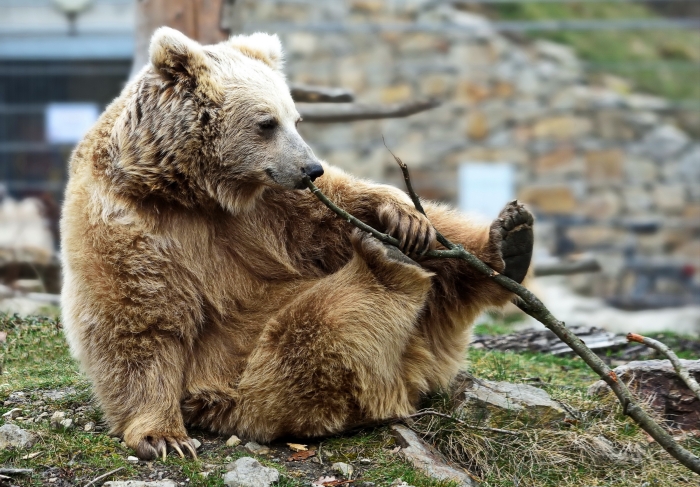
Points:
x=197, y=19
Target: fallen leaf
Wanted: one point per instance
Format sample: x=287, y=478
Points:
x=297, y=447
x=32, y=455
x=324, y=480
x=301, y=455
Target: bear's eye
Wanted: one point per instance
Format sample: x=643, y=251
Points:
x=268, y=125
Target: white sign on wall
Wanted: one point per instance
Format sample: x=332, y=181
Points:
x=485, y=188
x=67, y=123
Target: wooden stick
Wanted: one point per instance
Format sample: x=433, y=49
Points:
x=350, y=112
x=103, y=476
x=531, y=305
x=668, y=353
x=320, y=94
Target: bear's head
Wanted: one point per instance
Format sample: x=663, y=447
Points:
x=212, y=122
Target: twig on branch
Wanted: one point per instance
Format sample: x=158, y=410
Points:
x=432, y=412
x=320, y=94
x=103, y=476
x=531, y=305
x=349, y=112
x=668, y=353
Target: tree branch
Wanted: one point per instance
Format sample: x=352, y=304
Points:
x=531, y=305
x=668, y=353
x=320, y=94
x=349, y=112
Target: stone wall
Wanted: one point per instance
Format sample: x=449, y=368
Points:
x=606, y=170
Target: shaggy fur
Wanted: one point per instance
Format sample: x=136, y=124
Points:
x=201, y=288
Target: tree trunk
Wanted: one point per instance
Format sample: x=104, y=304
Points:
x=198, y=19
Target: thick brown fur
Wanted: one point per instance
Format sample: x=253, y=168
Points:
x=201, y=288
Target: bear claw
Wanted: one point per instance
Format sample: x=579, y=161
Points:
x=150, y=448
x=512, y=231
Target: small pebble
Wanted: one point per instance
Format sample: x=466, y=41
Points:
x=13, y=414
x=131, y=459
x=343, y=468
x=365, y=461
x=89, y=426
x=197, y=443
x=256, y=448
x=234, y=441
x=66, y=424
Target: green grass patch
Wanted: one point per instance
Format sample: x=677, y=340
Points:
x=598, y=447
x=663, y=62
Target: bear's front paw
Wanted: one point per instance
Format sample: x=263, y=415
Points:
x=152, y=446
x=512, y=233
x=412, y=229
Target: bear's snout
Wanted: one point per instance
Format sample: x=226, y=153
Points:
x=313, y=170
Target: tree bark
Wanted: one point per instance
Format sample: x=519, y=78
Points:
x=197, y=19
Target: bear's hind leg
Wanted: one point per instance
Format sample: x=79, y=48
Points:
x=333, y=357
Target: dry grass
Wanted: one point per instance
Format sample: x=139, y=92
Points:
x=595, y=446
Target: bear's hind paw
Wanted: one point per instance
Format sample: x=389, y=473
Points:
x=513, y=231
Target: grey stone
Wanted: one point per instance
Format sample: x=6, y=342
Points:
x=131, y=459
x=256, y=448
x=559, y=53
x=140, y=483
x=57, y=420
x=67, y=424
x=12, y=436
x=426, y=459
x=485, y=398
x=248, y=472
x=197, y=443
x=665, y=141
x=343, y=468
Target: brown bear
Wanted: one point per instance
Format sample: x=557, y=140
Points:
x=203, y=287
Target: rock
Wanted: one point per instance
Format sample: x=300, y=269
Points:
x=545, y=341
x=197, y=443
x=131, y=459
x=234, y=441
x=400, y=483
x=89, y=426
x=656, y=383
x=343, y=468
x=140, y=483
x=66, y=424
x=256, y=449
x=248, y=472
x=606, y=166
x=670, y=198
x=12, y=436
x=56, y=419
x=555, y=200
x=485, y=399
x=426, y=459
x=13, y=413
x=665, y=141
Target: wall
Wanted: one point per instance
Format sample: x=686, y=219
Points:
x=606, y=170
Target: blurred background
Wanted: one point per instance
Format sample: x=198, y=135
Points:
x=589, y=111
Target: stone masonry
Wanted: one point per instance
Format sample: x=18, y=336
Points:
x=593, y=160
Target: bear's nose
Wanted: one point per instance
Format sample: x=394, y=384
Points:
x=313, y=170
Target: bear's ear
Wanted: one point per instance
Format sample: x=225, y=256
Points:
x=263, y=47
x=175, y=56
